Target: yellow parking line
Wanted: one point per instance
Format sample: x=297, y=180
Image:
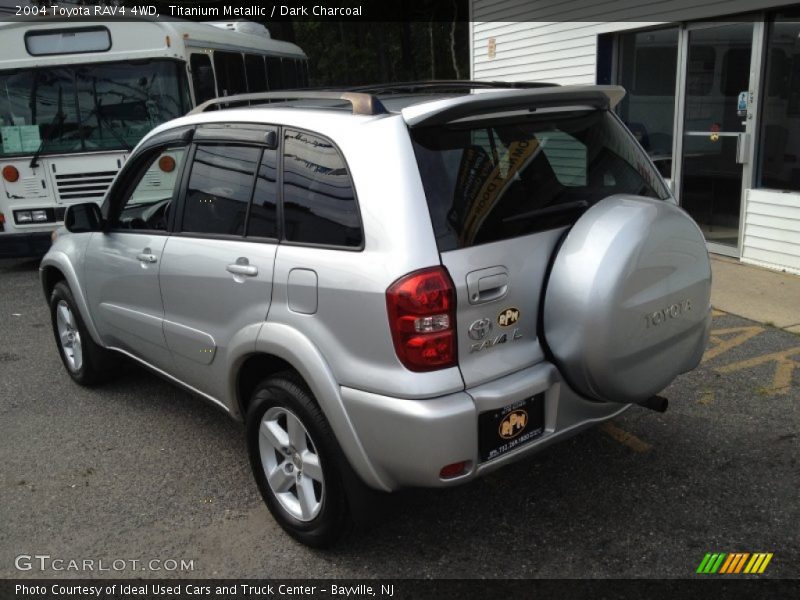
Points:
x=784, y=368
x=720, y=345
x=706, y=398
x=625, y=437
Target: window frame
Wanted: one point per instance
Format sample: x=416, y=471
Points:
x=178, y=229
x=131, y=176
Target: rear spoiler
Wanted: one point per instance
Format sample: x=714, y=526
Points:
x=440, y=112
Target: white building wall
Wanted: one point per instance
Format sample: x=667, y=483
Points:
x=772, y=230
x=530, y=45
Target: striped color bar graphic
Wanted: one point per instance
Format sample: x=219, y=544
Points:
x=734, y=563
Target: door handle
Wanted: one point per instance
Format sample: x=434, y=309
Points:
x=491, y=288
x=742, y=148
x=147, y=256
x=242, y=267
x=485, y=285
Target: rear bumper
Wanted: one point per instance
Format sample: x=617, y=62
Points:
x=407, y=442
x=20, y=245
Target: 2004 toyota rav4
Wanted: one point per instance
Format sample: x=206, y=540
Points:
x=410, y=285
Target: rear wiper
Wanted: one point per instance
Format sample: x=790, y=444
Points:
x=548, y=210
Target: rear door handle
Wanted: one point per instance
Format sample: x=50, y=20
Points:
x=147, y=256
x=242, y=267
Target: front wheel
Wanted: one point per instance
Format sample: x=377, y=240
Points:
x=296, y=461
x=86, y=362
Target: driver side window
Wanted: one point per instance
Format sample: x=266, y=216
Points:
x=147, y=205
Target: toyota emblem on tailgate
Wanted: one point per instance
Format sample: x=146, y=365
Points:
x=479, y=329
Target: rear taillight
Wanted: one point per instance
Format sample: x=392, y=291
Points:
x=422, y=318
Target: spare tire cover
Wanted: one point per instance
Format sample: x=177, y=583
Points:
x=627, y=305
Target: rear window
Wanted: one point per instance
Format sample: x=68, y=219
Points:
x=495, y=180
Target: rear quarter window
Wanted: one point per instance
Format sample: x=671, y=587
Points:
x=319, y=203
x=494, y=180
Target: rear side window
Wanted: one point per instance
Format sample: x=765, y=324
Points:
x=319, y=205
x=263, y=211
x=495, y=180
x=220, y=186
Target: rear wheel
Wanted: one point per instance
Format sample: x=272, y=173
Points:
x=296, y=461
x=86, y=362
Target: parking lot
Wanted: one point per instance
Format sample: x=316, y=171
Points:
x=140, y=470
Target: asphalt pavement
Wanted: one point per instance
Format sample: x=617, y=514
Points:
x=138, y=470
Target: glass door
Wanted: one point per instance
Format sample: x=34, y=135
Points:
x=715, y=141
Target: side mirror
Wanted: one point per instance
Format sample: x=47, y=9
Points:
x=80, y=218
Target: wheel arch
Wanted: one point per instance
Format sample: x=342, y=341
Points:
x=56, y=267
x=280, y=347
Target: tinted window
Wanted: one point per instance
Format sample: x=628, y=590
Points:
x=505, y=179
x=263, y=220
x=202, y=77
x=648, y=70
x=256, y=76
x=274, y=76
x=229, y=67
x=303, y=67
x=147, y=205
x=289, y=70
x=220, y=185
x=319, y=205
x=779, y=167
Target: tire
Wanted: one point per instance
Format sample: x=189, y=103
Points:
x=86, y=362
x=289, y=438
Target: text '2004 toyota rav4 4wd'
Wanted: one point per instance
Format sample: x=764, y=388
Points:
x=410, y=285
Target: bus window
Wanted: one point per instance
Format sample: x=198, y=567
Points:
x=256, y=76
x=202, y=77
x=303, y=66
x=289, y=71
x=230, y=73
x=274, y=75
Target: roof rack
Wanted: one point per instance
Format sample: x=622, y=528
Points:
x=446, y=84
x=362, y=103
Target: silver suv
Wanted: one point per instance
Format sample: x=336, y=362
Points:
x=407, y=285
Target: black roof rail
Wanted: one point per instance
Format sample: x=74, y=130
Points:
x=362, y=103
x=435, y=85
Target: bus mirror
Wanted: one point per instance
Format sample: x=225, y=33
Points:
x=80, y=218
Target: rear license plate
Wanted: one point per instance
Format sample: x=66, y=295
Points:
x=505, y=429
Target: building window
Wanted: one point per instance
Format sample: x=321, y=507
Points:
x=779, y=151
x=647, y=69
